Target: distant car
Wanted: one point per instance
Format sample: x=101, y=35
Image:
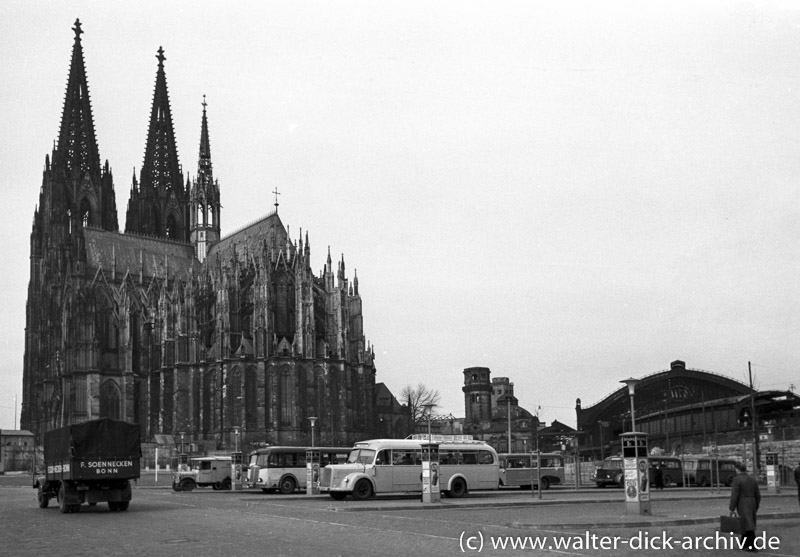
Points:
x=611, y=471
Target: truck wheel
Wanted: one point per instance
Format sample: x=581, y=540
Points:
x=113, y=506
x=62, y=504
x=177, y=486
x=226, y=484
x=362, y=490
x=287, y=485
x=123, y=505
x=187, y=484
x=42, y=498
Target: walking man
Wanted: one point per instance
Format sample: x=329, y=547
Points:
x=745, y=500
x=797, y=480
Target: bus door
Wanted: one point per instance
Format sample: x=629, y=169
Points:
x=487, y=469
x=382, y=471
x=406, y=468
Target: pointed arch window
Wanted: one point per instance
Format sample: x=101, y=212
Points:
x=86, y=212
x=285, y=389
x=172, y=228
x=110, y=400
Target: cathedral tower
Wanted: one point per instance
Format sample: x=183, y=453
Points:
x=204, y=198
x=76, y=194
x=158, y=204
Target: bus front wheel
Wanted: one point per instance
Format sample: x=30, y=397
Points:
x=287, y=485
x=703, y=481
x=457, y=489
x=362, y=490
x=545, y=484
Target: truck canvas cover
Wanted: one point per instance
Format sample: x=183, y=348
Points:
x=101, y=440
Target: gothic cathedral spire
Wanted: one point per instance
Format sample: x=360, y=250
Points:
x=77, y=145
x=159, y=206
x=204, y=212
x=78, y=183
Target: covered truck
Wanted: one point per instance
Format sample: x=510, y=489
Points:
x=90, y=462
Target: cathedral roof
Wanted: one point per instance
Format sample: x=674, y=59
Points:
x=130, y=252
x=267, y=230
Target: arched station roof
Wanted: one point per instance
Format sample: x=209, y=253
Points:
x=677, y=386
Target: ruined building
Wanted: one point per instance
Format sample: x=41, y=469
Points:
x=170, y=324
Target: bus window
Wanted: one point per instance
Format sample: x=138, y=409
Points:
x=447, y=457
x=361, y=456
x=384, y=458
x=405, y=457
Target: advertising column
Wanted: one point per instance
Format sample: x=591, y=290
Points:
x=637, y=473
x=312, y=471
x=773, y=476
x=236, y=471
x=431, y=492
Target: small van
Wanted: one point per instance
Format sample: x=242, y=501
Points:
x=213, y=471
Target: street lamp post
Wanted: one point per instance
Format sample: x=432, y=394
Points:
x=428, y=407
x=508, y=407
x=631, y=383
x=313, y=420
x=603, y=426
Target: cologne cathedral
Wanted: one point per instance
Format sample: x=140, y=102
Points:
x=171, y=325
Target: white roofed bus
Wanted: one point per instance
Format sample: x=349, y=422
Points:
x=382, y=466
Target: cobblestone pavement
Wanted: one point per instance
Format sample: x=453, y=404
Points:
x=206, y=522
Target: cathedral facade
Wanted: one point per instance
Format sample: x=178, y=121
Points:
x=169, y=324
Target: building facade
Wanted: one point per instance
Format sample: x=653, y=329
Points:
x=686, y=411
x=170, y=324
x=492, y=413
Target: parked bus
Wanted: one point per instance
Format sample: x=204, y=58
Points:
x=395, y=466
x=611, y=471
x=519, y=470
x=283, y=469
x=705, y=471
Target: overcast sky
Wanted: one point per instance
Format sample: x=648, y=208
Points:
x=567, y=193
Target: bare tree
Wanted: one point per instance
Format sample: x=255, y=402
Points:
x=416, y=398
